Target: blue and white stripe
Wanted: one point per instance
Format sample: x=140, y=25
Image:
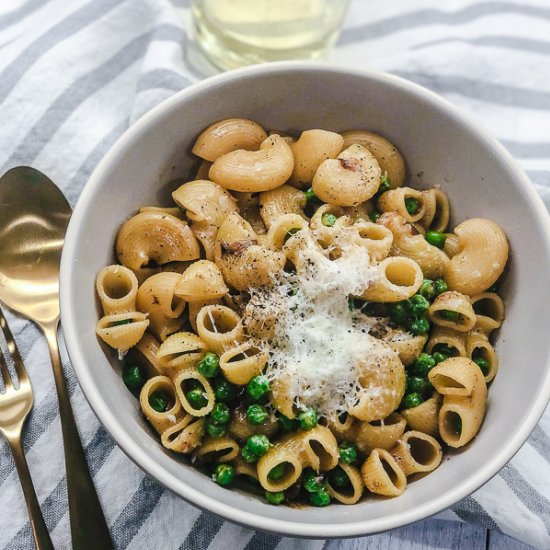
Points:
x=74, y=75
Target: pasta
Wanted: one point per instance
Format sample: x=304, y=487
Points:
x=300, y=317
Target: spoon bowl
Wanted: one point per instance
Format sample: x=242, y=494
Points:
x=33, y=219
x=34, y=216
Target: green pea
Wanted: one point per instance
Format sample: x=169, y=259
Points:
x=427, y=289
x=374, y=216
x=209, y=365
x=483, y=364
x=310, y=195
x=224, y=390
x=320, y=498
x=456, y=424
x=133, y=377
x=223, y=474
x=449, y=315
x=420, y=326
x=419, y=304
x=313, y=481
x=214, y=430
x=256, y=414
x=277, y=472
x=411, y=204
x=411, y=400
x=258, y=444
x=328, y=219
x=423, y=364
x=439, y=357
x=196, y=398
x=348, y=452
x=435, y=238
x=339, y=478
x=275, y=498
x=351, y=304
x=444, y=349
x=287, y=424
x=308, y=419
x=220, y=413
x=257, y=387
x=399, y=312
x=248, y=455
x=417, y=384
x=121, y=322
x=385, y=184
x=440, y=286
x=493, y=288
x=159, y=401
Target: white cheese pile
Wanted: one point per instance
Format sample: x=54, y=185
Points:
x=316, y=343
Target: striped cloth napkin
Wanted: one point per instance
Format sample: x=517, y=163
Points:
x=74, y=75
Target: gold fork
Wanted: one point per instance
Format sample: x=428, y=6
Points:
x=15, y=405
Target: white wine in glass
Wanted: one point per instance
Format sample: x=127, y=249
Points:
x=234, y=33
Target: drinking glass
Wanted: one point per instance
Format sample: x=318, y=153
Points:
x=234, y=33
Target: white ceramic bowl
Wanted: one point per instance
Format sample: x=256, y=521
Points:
x=441, y=147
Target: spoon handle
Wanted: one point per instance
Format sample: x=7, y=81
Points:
x=88, y=526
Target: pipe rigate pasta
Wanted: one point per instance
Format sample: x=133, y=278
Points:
x=397, y=200
x=185, y=435
x=453, y=310
x=160, y=420
x=255, y=171
x=460, y=416
x=203, y=281
x=117, y=287
x=219, y=327
x=353, y=177
x=436, y=210
x=310, y=150
x=454, y=341
x=122, y=331
x=147, y=349
x=155, y=237
x=417, y=453
x=280, y=201
x=353, y=492
x=425, y=417
x=478, y=347
x=156, y=297
x=454, y=376
x=244, y=361
x=382, y=474
x=386, y=153
x=228, y=135
x=182, y=383
x=380, y=434
x=489, y=310
x=481, y=260
x=220, y=449
x=407, y=242
x=399, y=278
x=179, y=351
x=300, y=317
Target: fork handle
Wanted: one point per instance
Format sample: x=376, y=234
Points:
x=88, y=525
x=39, y=530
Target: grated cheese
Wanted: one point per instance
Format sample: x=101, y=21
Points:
x=317, y=341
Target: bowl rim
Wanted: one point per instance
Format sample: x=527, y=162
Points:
x=141, y=458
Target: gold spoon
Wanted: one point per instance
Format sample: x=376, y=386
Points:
x=33, y=219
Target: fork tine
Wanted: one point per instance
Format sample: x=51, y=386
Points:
x=5, y=373
x=14, y=352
